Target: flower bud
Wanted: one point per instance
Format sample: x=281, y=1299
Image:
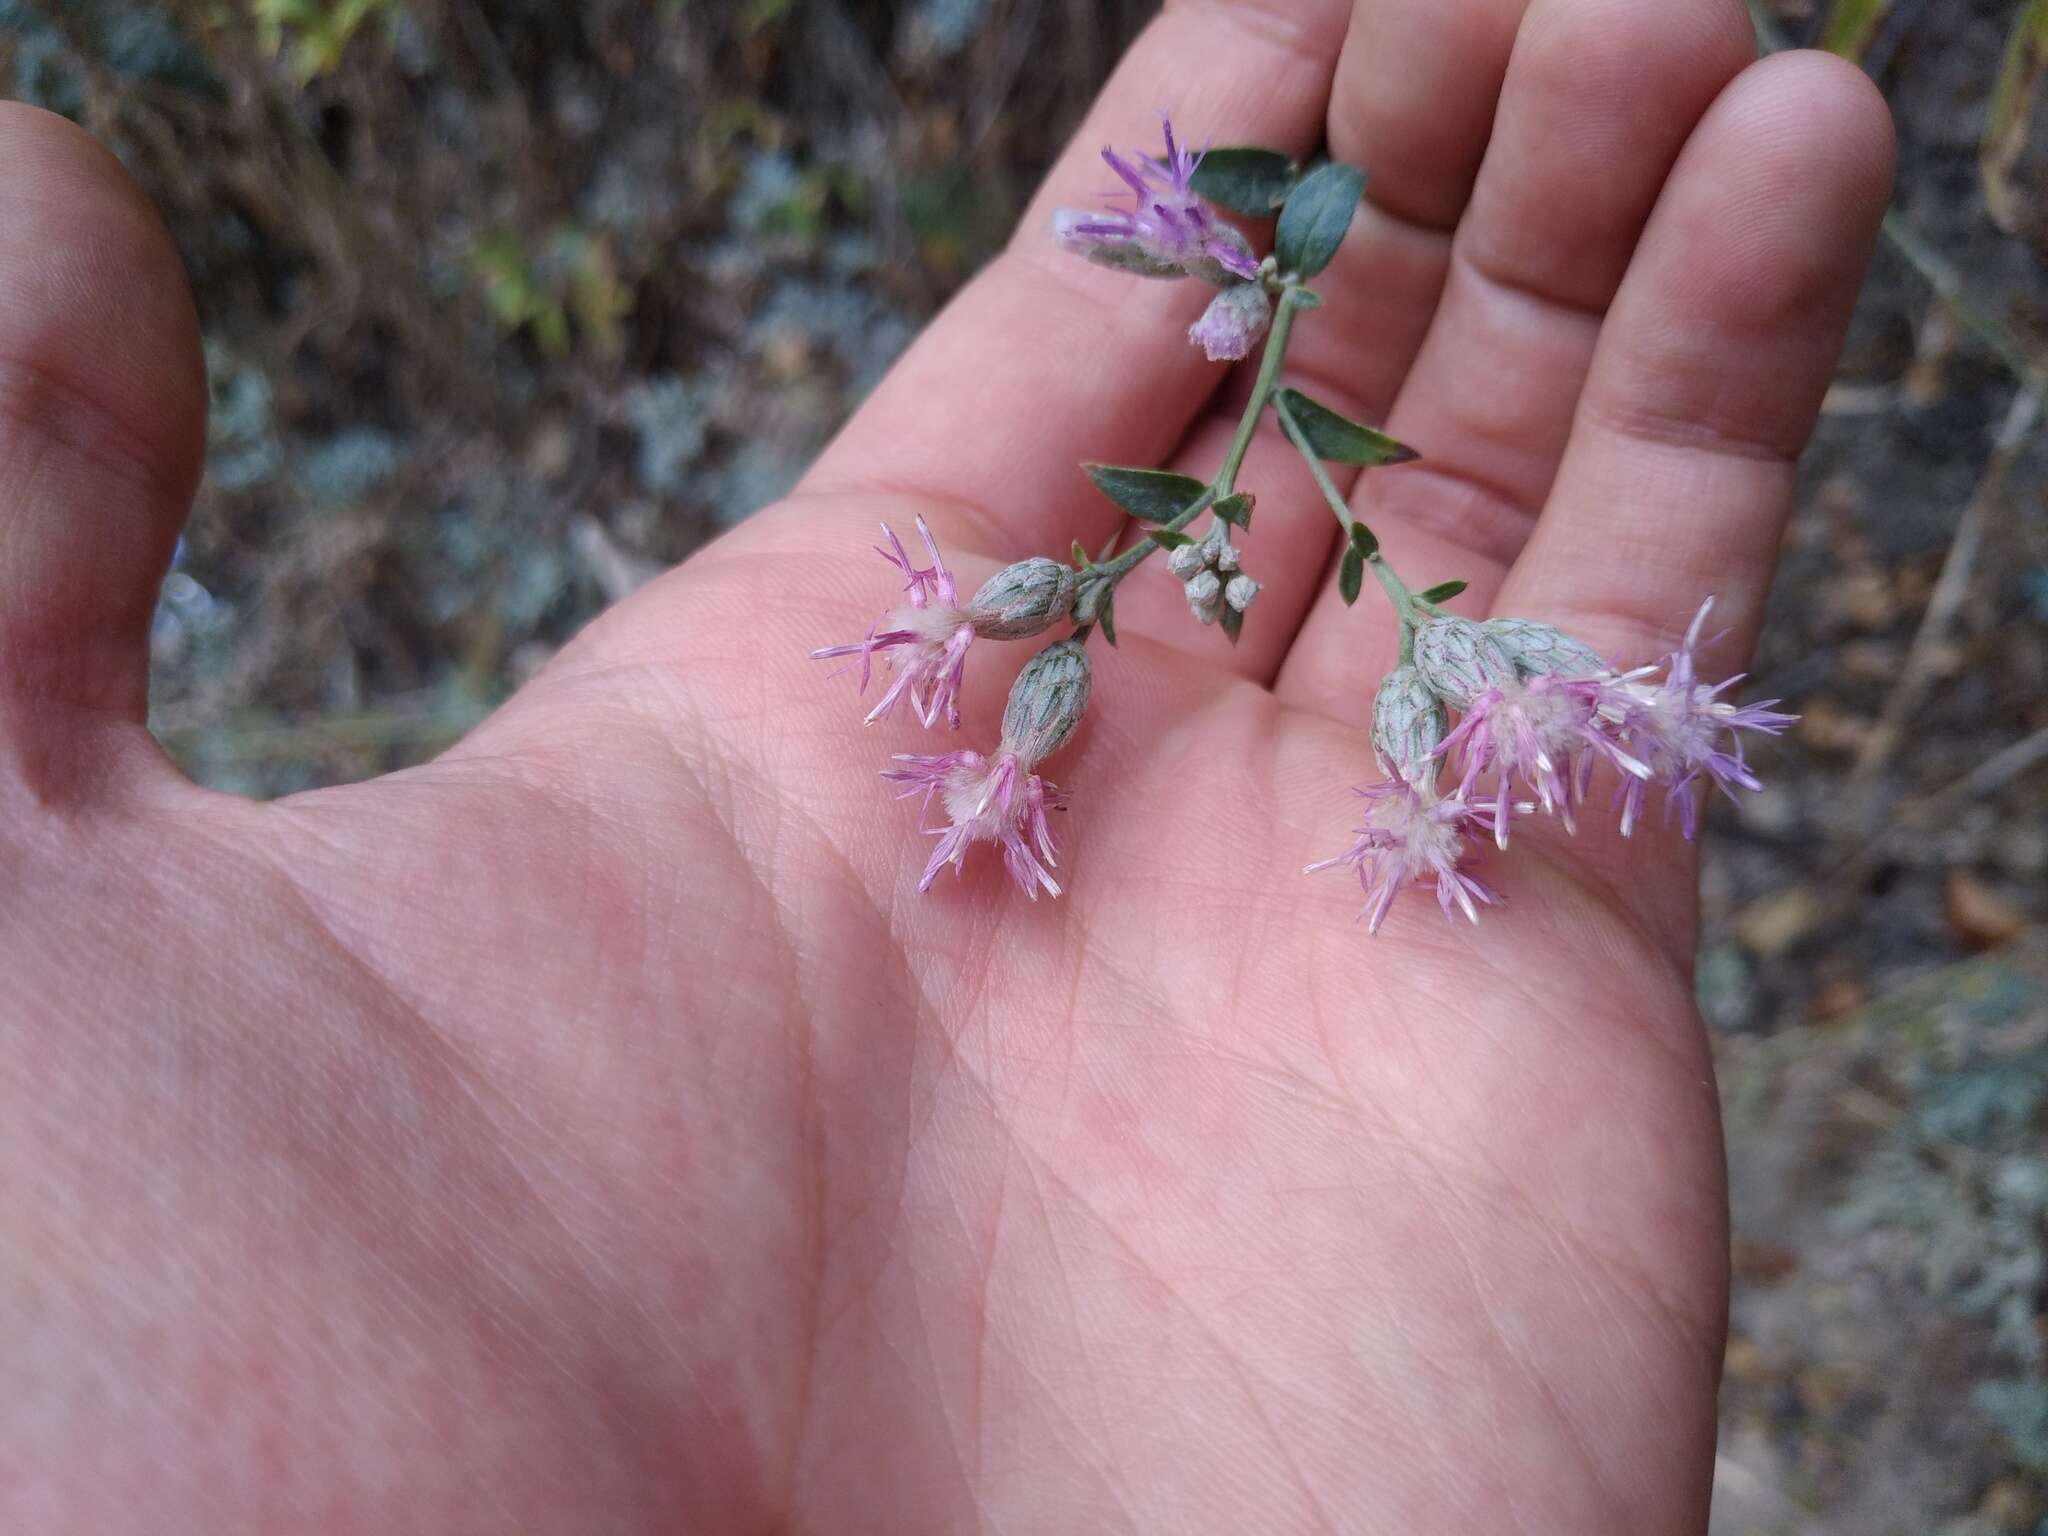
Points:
x=1458, y=659
x=1046, y=702
x=1408, y=723
x=1240, y=592
x=1542, y=650
x=1205, y=596
x=1233, y=323
x=1024, y=599
x=1185, y=561
x=1226, y=557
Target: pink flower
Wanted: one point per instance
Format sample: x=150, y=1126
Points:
x=1687, y=733
x=1001, y=802
x=1168, y=231
x=925, y=641
x=1412, y=834
x=1233, y=323
x=1547, y=732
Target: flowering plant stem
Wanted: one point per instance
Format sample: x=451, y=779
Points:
x=1270, y=360
x=1412, y=609
x=1535, y=708
x=1294, y=297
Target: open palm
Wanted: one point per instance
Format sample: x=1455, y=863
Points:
x=593, y=1130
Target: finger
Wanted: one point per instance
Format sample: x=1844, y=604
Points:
x=102, y=417
x=1046, y=361
x=1709, y=377
x=1599, y=99
x=1713, y=364
x=1413, y=102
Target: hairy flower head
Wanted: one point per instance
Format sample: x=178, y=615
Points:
x=1688, y=733
x=1412, y=835
x=924, y=640
x=1167, y=231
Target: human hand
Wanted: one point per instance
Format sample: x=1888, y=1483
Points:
x=593, y=1130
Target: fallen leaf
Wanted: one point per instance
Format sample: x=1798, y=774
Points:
x=1772, y=924
x=1978, y=917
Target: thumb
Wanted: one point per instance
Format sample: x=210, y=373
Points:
x=102, y=435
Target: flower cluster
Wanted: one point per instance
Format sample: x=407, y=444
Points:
x=1210, y=577
x=925, y=641
x=1541, y=712
x=1482, y=723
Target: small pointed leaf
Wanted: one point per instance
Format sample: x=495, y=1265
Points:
x=1166, y=538
x=1316, y=214
x=1351, y=575
x=1107, y=619
x=1151, y=495
x=1246, y=179
x=1442, y=592
x=1339, y=438
x=1236, y=509
x=1081, y=560
x=1231, y=620
x=1364, y=541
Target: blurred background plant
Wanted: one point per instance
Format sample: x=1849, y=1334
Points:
x=510, y=303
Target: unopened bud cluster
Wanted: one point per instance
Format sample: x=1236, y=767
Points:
x=1211, y=579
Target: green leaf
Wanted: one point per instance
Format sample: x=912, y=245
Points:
x=1246, y=179
x=1850, y=25
x=1442, y=592
x=1107, y=619
x=1339, y=437
x=1236, y=509
x=1316, y=214
x=1166, y=538
x=1151, y=495
x=1350, y=575
x=1231, y=621
x=1081, y=560
x=1364, y=541
x=1306, y=298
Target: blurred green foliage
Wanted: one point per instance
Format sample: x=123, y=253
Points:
x=559, y=289
x=2012, y=109
x=1962, y=1172
x=316, y=33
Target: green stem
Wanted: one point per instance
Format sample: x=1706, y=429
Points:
x=1405, y=602
x=1292, y=298
x=1262, y=391
x=1324, y=483
x=1225, y=483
